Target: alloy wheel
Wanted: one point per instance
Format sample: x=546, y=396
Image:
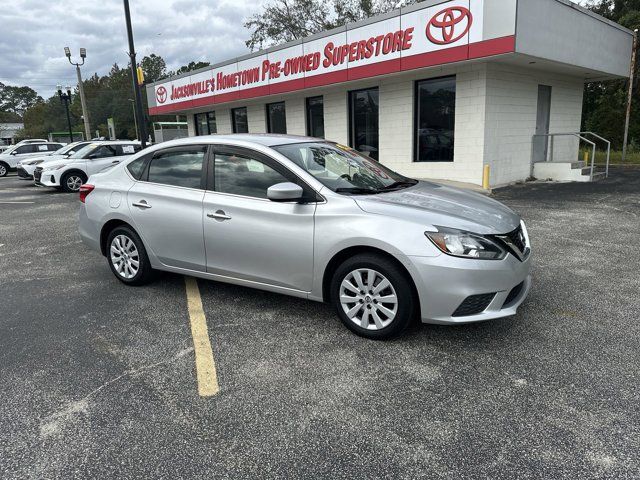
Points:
x=368, y=299
x=3, y=170
x=124, y=256
x=74, y=182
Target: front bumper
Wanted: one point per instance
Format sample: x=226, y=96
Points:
x=47, y=178
x=24, y=174
x=445, y=282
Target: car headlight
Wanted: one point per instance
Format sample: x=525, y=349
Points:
x=463, y=244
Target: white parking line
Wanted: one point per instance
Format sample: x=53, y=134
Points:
x=16, y=202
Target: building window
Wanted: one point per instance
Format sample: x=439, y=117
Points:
x=435, y=119
x=239, y=120
x=315, y=117
x=363, y=120
x=205, y=123
x=276, y=118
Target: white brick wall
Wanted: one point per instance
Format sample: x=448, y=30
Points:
x=512, y=103
x=295, y=115
x=257, y=118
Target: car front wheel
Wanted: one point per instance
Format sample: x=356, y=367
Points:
x=3, y=169
x=71, y=182
x=373, y=296
x=127, y=257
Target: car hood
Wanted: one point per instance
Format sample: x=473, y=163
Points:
x=439, y=205
x=36, y=158
x=56, y=161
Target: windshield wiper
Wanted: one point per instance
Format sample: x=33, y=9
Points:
x=357, y=190
x=400, y=184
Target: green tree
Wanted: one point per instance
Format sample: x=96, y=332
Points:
x=286, y=20
x=604, y=105
x=191, y=67
x=154, y=68
x=17, y=99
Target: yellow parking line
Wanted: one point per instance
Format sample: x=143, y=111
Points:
x=205, y=365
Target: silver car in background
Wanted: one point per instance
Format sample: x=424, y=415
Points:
x=313, y=219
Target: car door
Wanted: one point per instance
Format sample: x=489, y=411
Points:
x=100, y=158
x=22, y=153
x=248, y=236
x=166, y=206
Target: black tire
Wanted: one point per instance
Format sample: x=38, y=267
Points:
x=144, y=272
x=65, y=181
x=400, y=283
x=4, y=169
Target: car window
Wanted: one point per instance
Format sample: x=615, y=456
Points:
x=137, y=167
x=26, y=149
x=104, y=151
x=180, y=168
x=244, y=175
x=128, y=149
x=52, y=147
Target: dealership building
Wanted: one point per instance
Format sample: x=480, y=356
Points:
x=435, y=90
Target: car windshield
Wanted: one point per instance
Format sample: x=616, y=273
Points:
x=84, y=151
x=10, y=149
x=68, y=149
x=343, y=169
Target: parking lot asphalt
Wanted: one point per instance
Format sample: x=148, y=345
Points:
x=98, y=379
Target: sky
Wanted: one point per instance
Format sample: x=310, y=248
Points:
x=33, y=34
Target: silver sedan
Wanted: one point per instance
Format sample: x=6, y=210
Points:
x=312, y=219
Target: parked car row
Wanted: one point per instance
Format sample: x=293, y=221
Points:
x=69, y=167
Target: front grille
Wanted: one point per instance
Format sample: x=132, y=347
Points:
x=514, y=241
x=37, y=174
x=517, y=238
x=513, y=294
x=474, y=304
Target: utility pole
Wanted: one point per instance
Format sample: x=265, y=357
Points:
x=140, y=119
x=83, y=100
x=630, y=95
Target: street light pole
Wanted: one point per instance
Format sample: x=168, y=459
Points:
x=135, y=121
x=65, y=99
x=83, y=100
x=134, y=78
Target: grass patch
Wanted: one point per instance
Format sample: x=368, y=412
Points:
x=633, y=158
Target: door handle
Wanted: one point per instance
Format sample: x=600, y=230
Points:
x=116, y=161
x=141, y=204
x=219, y=215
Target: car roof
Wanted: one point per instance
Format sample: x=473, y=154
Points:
x=265, y=139
x=113, y=142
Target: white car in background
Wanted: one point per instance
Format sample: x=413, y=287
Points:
x=27, y=167
x=70, y=173
x=10, y=158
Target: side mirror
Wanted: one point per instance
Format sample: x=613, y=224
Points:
x=285, y=192
x=13, y=153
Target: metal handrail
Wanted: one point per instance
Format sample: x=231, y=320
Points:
x=608, y=149
x=551, y=137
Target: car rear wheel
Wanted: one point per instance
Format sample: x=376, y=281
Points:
x=373, y=296
x=127, y=257
x=4, y=169
x=72, y=181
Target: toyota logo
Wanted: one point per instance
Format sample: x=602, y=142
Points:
x=442, y=27
x=161, y=94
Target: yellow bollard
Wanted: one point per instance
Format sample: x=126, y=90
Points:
x=586, y=158
x=485, y=177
